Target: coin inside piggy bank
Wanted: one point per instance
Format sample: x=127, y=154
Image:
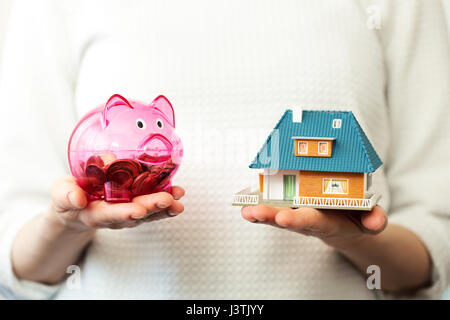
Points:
x=125, y=149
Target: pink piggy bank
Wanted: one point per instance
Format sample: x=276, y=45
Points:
x=124, y=149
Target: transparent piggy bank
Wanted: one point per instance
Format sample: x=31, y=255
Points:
x=124, y=149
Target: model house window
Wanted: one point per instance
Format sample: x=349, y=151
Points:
x=337, y=123
x=335, y=186
x=323, y=148
x=302, y=147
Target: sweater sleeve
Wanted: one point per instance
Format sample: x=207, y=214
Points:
x=417, y=57
x=36, y=106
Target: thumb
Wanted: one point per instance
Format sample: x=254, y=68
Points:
x=375, y=221
x=67, y=195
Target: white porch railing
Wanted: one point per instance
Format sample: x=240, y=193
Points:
x=245, y=199
x=335, y=202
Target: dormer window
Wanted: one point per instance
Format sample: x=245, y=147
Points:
x=313, y=146
x=337, y=123
x=302, y=147
x=322, y=148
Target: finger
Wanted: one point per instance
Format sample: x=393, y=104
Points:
x=67, y=195
x=178, y=192
x=375, y=221
x=153, y=202
x=155, y=217
x=260, y=213
x=302, y=218
x=175, y=209
x=322, y=223
x=102, y=214
x=171, y=212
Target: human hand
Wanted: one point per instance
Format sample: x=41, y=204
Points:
x=335, y=227
x=71, y=208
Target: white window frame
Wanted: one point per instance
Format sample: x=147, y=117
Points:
x=331, y=181
x=318, y=148
x=337, y=123
x=298, y=147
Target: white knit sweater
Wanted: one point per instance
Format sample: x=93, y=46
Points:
x=230, y=68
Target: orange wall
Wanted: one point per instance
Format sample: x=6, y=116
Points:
x=313, y=150
x=311, y=184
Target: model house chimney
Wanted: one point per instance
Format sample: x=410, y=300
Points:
x=297, y=113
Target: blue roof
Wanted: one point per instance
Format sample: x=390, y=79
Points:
x=352, y=150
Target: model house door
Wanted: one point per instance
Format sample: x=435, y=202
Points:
x=289, y=187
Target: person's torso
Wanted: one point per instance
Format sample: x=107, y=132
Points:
x=230, y=69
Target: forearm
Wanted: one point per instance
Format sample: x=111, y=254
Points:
x=402, y=257
x=45, y=247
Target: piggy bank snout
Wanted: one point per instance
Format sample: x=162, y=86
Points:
x=156, y=148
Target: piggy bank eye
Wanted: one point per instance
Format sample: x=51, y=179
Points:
x=140, y=124
x=159, y=123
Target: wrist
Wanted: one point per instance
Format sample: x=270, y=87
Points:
x=351, y=244
x=45, y=246
x=57, y=226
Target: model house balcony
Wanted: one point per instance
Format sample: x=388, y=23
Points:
x=246, y=197
x=338, y=203
x=252, y=198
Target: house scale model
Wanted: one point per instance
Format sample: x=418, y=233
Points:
x=319, y=159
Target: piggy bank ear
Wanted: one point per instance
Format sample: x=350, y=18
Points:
x=162, y=104
x=114, y=101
